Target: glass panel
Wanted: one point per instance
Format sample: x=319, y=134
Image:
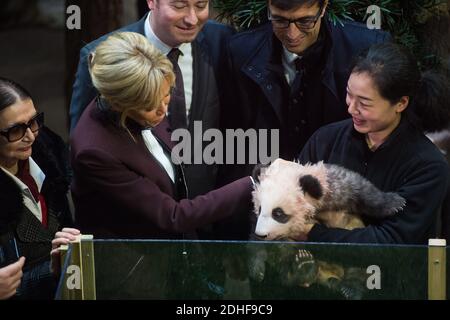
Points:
x=69, y=281
x=258, y=270
x=447, y=269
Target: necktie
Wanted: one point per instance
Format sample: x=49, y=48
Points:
x=297, y=112
x=296, y=84
x=177, y=106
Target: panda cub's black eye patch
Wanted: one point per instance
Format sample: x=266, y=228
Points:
x=279, y=216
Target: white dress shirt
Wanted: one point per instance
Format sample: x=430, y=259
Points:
x=185, y=61
x=28, y=199
x=157, y=151
x=289, y=65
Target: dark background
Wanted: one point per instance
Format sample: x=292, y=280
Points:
x=40, y=53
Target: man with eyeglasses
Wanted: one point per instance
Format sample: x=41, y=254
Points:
x=291, y=73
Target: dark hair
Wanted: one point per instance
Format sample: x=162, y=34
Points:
x=11, y=92
x=294, y=4
x=395, y=72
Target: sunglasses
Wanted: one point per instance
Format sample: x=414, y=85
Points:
x=18, y=131
x=306, y=23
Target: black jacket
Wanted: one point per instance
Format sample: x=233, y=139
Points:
x=406, y=163
x=33, y=240
x=261, y=93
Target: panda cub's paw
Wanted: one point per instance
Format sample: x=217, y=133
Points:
x=303, y=254
x=351, y=290
x=304, y=259
x=305, y=271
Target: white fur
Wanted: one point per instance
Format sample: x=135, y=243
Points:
x=279, y=184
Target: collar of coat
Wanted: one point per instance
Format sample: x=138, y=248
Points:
x=109, y=117
x=399, y=136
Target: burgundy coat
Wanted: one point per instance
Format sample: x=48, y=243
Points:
x=121, y=191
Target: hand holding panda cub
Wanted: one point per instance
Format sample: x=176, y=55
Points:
x=289, y=198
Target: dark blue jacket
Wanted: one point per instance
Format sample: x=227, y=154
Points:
x=261, y=92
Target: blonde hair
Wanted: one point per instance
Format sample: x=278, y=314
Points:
x=128, y=72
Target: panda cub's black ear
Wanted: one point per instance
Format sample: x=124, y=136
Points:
x=257, y=170
x=311, y=186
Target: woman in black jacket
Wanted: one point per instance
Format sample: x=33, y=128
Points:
x=34, y=183
x=391, y=104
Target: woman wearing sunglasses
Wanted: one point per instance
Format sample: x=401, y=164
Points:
x=33, y=187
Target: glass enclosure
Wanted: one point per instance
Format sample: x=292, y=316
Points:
x=246, y=270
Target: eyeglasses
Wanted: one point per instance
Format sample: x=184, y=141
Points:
x=18, y=131
x=306, y=23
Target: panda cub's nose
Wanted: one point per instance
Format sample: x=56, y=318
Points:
x=264, y=226
x=255, y=236
x=262, y=236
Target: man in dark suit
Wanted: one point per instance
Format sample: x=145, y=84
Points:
x=178, y=25
x=292, y=73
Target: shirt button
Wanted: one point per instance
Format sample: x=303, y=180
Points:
x=303, y=122
x=301, y=93
x=294, y=101
x=269, y=87
x=297, y=129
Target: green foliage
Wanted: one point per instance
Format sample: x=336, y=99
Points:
x=241, y=14
x=404, y=19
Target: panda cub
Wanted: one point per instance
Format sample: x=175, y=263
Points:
x=289, y=195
